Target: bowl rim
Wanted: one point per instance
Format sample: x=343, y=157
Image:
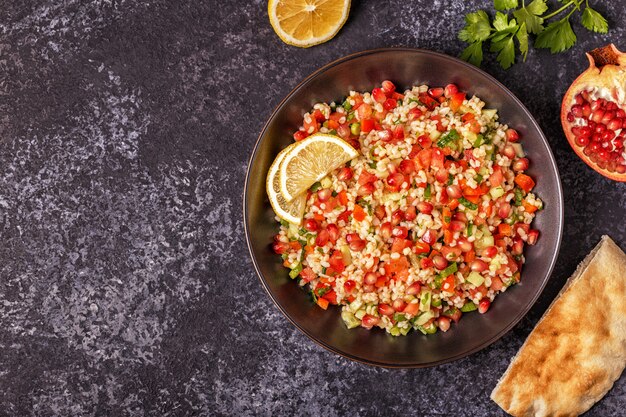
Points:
x=554, y=167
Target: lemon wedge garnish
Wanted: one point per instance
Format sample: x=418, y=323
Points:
x=310, y=160
x=306, y=23
x=290, y=211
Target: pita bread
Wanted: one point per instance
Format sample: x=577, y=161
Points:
x=578, y=349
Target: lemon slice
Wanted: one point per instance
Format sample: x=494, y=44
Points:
x=306, y=23
x=310, y=160
x=290, y=211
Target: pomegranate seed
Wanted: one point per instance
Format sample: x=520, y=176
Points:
x=440, y=262
x=350, y=237
x=390, y=104
x=585, y=131
x=370, y=278
x=388, y=87
x=533, y=235
x=395, y=180
x=608, y=135
x=435, y=92
x=379, y=95
x=385, y=309
x=450, y=90
x=586, y=110
x=407, y=167
x=443, y=323
x=512, y=135
x=349, y=286
x=414, y=288
x=357, y=245
x=460, y=216
x=608, y=116
x=603, y=154
x=484, y=305
x=504, y=210
x=518, y=246
x=368, y=288
x=479, y=265
x=333, y=232
x=424, y=141
x=454, y=191
x=520, y=164
x=582, y=140
x=345, y=174
x=490, y=252
x=430, y=237
x=415, y=113
x=570, y=117
x=425, y=207
x=369, y=321
x=614, y=124
x=597, y=115
x=280, y=247
x=442, y=175
x=577, y=111
x=620, y=113
x=322, y=238
x=399, y=304
x=465, y=245
x=311, y=225
x=396, y=217
x=579, y=99
x=324, y=194
x=379, y=212
x=621, y=169
x=600, y=128
x=576, y=130
x=411, y=213
x=400, y=232
x=509, y=151
x=385, y=230
x=457, y=226
x=596, y=105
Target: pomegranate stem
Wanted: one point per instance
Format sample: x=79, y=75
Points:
x=604, y=56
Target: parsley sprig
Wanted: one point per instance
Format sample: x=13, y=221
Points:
x=505, y=31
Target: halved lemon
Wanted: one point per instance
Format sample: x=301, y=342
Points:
x=306, y=23
x=310, y=160
x=290, y=211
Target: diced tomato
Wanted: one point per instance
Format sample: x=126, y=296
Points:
x=496, y=179
x=358, y=214
x=421, y=247
x=525, y=227
x=364, y=114
x=453, y=314
x=342, y=197
x=437, y=159
x=318, y=115
x=473, y=291
x=451, y=253
x=336, y=262
x=411, y=309
x=453, y=204
x=333, y=124
x=366, y=178
x=524, y=182
x=299, y=135
x=307, y=274
x=456, y=101
x=323, y=303
x=331, y=296
x=504, y=229
x=367, y=125
x=448, y=284
x=467, y=117
x=447, y=237
x=496, y=284
x=475, y=126
x=381, y=281
x=399, y=267
x=529, y=208
x=311, y=126
x=400, y=244
x=390, y=104
x=398, y=132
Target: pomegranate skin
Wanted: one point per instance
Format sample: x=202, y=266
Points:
x=607, y=70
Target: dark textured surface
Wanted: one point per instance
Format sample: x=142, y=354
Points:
x=125, y=284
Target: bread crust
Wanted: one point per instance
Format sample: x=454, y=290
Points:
x=578, y=349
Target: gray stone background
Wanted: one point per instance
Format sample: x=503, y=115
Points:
x=125, y=283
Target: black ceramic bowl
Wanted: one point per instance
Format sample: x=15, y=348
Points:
x=405, y=67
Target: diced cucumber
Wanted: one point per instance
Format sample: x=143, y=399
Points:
x=475, y=278
x=484, y=242
x=424, y=317
x=436, y=302
x=489, y=113
x=391, y=197
x=496, y=192
x=483, y=171
x=425, y=299
x=295, y=270
x=469, y=306
x=355, y=306
x=350, y=320
x=360, y=313
x=316, y=186
x=346, y=255
x=519, y=150
x=394, y=331
x=399, y=317
x=405, y=330
x=430, y=329
x=326, y=182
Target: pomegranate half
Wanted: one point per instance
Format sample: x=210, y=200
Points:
x=593, y=113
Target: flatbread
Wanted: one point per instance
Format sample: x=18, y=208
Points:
x=578, y=349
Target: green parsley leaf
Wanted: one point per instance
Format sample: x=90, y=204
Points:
x=504, y=4
x=594, y=21
x=473, y=53
x=557, y=36
x=477, y=27
x=522, y=38
x=501, y=22
x=531, y=15
x=506, y=57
